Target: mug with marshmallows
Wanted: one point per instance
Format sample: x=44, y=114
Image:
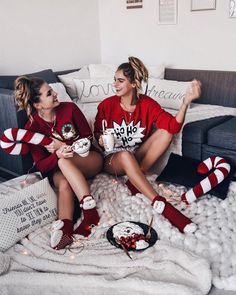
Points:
x=108, y=139
x=81, y=147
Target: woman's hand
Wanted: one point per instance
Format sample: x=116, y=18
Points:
x=65, y=151
x=100, y=141
x=54, y=145
x=193, y=92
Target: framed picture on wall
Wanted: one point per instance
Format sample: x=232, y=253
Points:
x=167, y=12
x=203, y=5
x=232, y=8
x=134, y=4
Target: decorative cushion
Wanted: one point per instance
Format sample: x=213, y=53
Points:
x=60, y=89
x=183, y=170
x=48, y=75
x=102, y=70
x=169, y=94
x=68, y=81
x=108, y=71
x=94, y=90
x=156, y=72
x=24, y=209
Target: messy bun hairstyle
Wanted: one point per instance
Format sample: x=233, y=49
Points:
x=136, y=72
x=27, y=92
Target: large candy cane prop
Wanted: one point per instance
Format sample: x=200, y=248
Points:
x=222, y=169
x=16, y=141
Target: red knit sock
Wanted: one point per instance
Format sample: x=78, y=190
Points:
x=174, y=216
x=132, y=188
x=91, y=216
x=61, y=235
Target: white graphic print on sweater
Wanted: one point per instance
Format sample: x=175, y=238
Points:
x=127, y=135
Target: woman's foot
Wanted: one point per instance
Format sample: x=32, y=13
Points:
x=91, y=217
x=176, y=218
x=61, y=234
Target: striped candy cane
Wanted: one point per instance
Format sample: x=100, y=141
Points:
x=222, y=169
x=15, y=141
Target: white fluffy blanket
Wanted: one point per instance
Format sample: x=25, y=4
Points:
x=94, y=266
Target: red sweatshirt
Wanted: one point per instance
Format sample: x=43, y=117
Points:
x=70, y=124
x=132, y=129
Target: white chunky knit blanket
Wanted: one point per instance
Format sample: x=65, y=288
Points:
x=166, y=268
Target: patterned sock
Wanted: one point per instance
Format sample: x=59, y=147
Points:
x=61, y=235
x=176, y=218
x=132, y=188
x=91, y=216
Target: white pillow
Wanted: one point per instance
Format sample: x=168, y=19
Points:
x=68, y=81
x=157, y=72
x=60, y=89
x=94, y=90
x=25, y=210
x=168, y=93
x=102, y=70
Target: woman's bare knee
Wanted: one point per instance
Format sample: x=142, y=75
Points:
x=163, y=134
x=126, y=158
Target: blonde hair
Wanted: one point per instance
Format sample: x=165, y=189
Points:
x=136, y=72
x=27, y=92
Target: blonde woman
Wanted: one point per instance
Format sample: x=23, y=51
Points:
x=64, y=123
x=132, y=116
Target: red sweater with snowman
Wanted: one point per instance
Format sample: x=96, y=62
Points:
x=131, y=129
x=70, y=125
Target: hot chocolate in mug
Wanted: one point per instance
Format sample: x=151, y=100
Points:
x=81, y=147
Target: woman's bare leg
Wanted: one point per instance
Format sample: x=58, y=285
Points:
x=65, y=196
x=124, y=162
x=153, y=148
x=77, y=169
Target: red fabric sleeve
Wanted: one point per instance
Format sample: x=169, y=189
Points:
x=98, y=119
x=165, y=120
x=44, y=161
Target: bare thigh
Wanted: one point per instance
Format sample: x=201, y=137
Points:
x=90, y=165
x=113, y=163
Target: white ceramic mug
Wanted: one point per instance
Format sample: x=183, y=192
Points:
x=81, y=147
x=108, y=140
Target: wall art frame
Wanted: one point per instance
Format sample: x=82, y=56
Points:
x=232, y=8
x=133, y=4
x=197, y=5
x=167, y=12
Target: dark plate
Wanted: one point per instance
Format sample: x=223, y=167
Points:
x=144, y=226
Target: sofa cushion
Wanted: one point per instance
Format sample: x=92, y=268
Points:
x=169, y=94
x=48, y=75
x=183, y=170
x=223, y=135
x=196, y=132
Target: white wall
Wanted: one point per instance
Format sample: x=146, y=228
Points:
x=40, y=34
x=200, y=39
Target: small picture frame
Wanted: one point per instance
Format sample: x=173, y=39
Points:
x=132, y=4
x=167, y=12
x=232, y=8
x=203, y=5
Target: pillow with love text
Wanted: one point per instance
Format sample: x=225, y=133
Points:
x=94, y=90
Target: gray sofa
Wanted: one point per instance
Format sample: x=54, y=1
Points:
x=216, y=136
